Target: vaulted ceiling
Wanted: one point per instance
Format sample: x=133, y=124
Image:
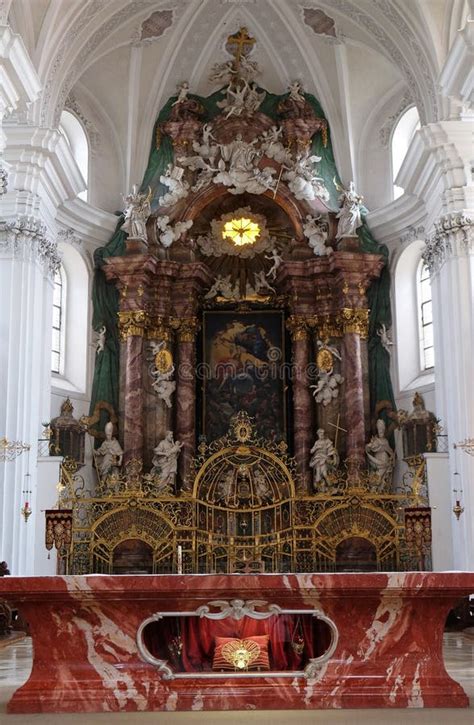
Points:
x=116, y=62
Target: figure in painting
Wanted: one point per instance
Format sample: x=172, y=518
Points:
x=165, y=460
x=109, y=455
x=136, y=212
x=350, y=213
x=380, y=455
x=324, y=457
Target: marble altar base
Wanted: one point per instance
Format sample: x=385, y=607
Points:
x=389, y=652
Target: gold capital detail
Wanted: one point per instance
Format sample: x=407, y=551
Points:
x=355, y=320
x=297, y=325
x=186, y=328
x=132, y=323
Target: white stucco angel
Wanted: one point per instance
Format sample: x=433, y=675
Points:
x=380, y=455
x=168, y=233
x=385, y=340
x=234, y=102
x=302, y=179
x=295, y=90
x=273, y=148
x=324, y=457
x=349, y=214
x=261, y=284
x=206, y=149
x=316, y=232
x=222, y=285
x=183, y=91
x=165, y=459
x=137, y=211
x=178, y=189
x=254, y=98
x=100, y=344
x=276, y=260
x=327, y=387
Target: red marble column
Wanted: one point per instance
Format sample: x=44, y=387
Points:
x=301, y=399
x=132, y=325
x=186, y=397
x=354, y=396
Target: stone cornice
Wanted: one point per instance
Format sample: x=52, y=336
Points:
x=26, y=238
x=457, y=77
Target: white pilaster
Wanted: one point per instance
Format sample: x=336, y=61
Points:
x=437, y=475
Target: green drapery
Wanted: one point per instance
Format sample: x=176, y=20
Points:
x=105, y=296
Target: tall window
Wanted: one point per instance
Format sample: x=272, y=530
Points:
x=57, y=347
x=402, y=135
x=425, y=308
x=77, y=139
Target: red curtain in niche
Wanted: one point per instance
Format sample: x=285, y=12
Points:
x=197, y=639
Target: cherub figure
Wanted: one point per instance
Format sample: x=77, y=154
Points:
x=277, y=260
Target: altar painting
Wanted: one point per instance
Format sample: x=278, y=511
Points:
x=244, y=370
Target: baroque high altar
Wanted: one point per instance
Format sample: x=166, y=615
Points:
x=242, y=405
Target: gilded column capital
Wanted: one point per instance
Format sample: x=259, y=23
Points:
x=186, y=328
x=132, y=323
x=298, y=327
x=355, y=320
x=159, y=329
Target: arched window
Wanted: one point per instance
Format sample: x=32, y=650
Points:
x=76, y=137
x=425, y=317
x=57, y=346
x=407, y=125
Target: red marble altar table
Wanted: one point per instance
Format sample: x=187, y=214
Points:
x=86, y=658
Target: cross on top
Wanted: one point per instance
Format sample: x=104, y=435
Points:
x=242, y=41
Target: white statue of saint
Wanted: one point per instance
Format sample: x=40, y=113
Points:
x=165, y=459
x=276, y=260
x=323, y=458
x=349, y=214
x=380, y=455
x=109, y=455
x=136, y=212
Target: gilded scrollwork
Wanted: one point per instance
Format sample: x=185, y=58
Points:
x=355, y=321
x=132, y=323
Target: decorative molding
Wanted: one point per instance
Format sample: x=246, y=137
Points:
x=412, y=233
x=453, y=237
x=322, y=25
x=132, y=323
x=390, y=123
x=3, y=180
x=68, y=236
x=237, y=609
x=72, y=104
x=25, y=238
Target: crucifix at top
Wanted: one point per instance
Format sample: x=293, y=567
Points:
x=240, y=43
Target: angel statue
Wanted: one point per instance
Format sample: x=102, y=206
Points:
x=316, y=232
x=324, y=457
x=295, y=90
x=183, y=91
x=380, y=455
x=173, y=179
x=349, y=214
x=385, y=340
x=109, y=455
x=165, y=459
x=261, y=284
x=276, y=260
x=136, y=212
x=100, y=343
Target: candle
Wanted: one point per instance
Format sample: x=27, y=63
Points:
x=180, y=559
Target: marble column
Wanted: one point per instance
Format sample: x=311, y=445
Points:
x=132, y=328
x=302, y=429
x=186, y=396
x=355, y=328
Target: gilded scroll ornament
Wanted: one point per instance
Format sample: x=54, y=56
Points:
x=298, y=327
x=186, y=328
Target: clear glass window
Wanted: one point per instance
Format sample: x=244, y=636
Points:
x=57, y=351
x=425, y=308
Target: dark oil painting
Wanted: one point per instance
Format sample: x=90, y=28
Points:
x=244, y=370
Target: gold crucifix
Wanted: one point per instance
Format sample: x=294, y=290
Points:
x=338, y=428
x=241, y=39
